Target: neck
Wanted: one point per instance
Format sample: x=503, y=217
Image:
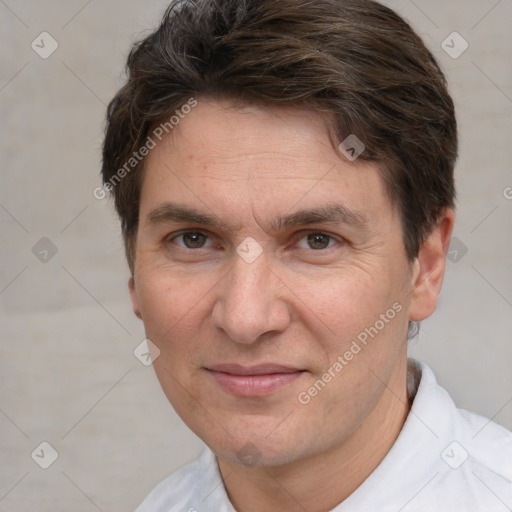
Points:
x=326, y=479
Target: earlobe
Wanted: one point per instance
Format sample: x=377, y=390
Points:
x=429, y=268
x=134, y=297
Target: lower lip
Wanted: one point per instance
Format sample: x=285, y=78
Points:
x=254, y=385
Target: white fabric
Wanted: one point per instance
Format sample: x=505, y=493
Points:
x=425, y=470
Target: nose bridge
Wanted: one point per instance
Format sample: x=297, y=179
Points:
x=248, y=304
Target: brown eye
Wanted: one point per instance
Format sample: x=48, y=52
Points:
x=318, y=241
x=193, y=240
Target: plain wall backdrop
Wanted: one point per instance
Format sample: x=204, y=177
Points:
x=68, y=373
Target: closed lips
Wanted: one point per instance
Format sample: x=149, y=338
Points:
x=265, y=369
x=253, y=381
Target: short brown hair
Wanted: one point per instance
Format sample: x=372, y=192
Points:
x=356, y=60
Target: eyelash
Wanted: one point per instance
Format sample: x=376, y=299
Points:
x=297, y=239
x=190, y=232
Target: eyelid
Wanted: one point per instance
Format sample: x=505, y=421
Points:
x=172, y=236
x=300, y=235
x=297, y=237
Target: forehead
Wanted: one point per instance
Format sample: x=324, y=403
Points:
x=223, y=132
x=222, y=154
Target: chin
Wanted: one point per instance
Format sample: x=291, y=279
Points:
x=251, y=448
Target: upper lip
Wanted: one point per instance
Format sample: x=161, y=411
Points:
x=261, y=369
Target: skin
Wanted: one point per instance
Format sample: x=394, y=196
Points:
x=299, y=303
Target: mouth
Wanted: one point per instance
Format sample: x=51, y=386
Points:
x=253, y=381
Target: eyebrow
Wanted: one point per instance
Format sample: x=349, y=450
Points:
x=332, y=214
x=172, y=212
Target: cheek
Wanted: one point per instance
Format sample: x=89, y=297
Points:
x=360, y=317
x=173, y=312
x=342, y=302
x=169, y=304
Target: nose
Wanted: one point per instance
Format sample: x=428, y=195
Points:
x=250, y=304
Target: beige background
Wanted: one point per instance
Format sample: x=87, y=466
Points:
x=68, y=373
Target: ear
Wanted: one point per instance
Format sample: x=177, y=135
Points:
x=429, y=267
x=135, y=298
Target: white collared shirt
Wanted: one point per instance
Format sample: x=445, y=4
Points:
x=444, y=459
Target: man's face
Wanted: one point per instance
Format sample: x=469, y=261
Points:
x=261, y=257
